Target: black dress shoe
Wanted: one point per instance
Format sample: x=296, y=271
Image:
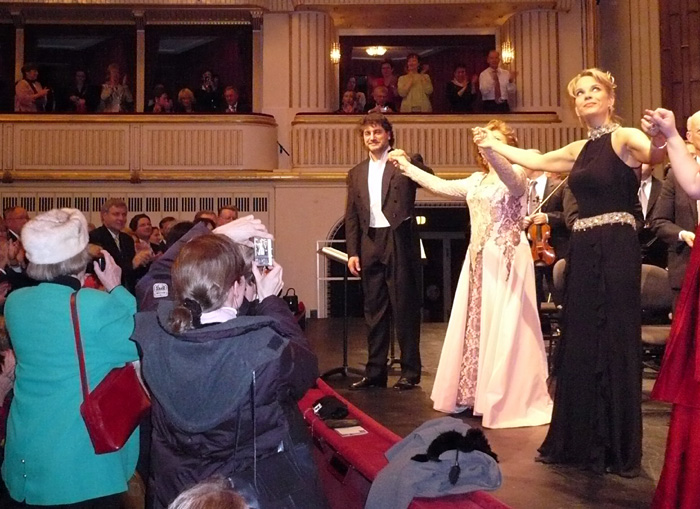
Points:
x=405, y=384
x=369, y=383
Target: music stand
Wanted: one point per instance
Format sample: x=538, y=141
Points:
x=340, y=257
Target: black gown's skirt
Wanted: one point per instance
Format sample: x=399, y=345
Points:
x=597, y=420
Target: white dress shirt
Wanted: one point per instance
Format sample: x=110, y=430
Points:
x=644, y=193
x=487, y=85
x=377, y=219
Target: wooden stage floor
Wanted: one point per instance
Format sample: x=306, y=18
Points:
x=526, y=484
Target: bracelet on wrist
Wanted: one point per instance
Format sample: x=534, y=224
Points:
x=661, y=147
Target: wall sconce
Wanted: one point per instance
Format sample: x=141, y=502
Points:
x=335, y=53
x=507, y=52
x=376, y=51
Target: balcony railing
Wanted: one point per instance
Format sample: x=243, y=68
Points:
x=332, y=143
x=136, y=147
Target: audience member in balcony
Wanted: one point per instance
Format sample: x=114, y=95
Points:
x=208, y=95
x=495, y=84
x=231, y=102
x=115, y=96
x=185, y=101
x=82, y=98
x=415, y=86
x=244, y=376
x=49, y=459
x=349, y=103
x=161, y=102
x=360, y=97
x=227, y=213
x=380, y=101
x=30, y=96
x=389, y=80
x=118, y=244
x=165, y=224
x=460, y=91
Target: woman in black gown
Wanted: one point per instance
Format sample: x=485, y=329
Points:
x=597, y=419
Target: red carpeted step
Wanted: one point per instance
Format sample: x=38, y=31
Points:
x=348, y=465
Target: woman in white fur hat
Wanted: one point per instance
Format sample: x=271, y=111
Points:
x=49, y=459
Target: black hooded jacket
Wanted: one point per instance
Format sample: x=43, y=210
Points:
x=223, y=394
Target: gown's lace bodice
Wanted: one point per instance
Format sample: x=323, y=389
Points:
x=495, y=212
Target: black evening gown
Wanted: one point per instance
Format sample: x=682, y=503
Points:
x=597, y=421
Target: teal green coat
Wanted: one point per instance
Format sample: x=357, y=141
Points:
x=49, y=459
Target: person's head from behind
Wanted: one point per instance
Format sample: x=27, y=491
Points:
x=207, y=275
x=176, y=231
x=227, y=213
x=380, y=95
x=504, y=133
x=212, y=494
x=56, y=244
x=593, y=92
x=207, y=217
x=377, y=133
x=113, y=214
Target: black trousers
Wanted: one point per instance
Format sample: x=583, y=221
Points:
x=494, y=107
x=390, y=261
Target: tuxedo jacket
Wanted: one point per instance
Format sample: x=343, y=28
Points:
x=653, y=248
x=674, y=211
x=398, y=199
x=123, y=255
x=554, y=208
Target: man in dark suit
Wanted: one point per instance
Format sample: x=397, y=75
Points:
x=674, y=221
x=543, y=187
x=653, y=248
x=232, y=103
x=110, y=237
x=383, y=248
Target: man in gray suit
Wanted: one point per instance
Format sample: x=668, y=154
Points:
x=383, y=249
x=675, y=217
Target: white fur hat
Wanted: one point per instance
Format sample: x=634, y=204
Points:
x=55, y=236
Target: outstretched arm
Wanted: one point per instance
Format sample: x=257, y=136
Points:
x=452, y=188
x=685, y=167
x=557, y=161
x=512, y=176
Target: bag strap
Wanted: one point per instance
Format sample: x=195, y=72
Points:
x=78, y=344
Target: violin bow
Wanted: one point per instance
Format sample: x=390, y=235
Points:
x=539, y=207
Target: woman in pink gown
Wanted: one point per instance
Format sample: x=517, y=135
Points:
x=493, y=359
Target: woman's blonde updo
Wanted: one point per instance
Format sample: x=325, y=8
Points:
x=503, y=128
x=203, y=273
x=604, y=78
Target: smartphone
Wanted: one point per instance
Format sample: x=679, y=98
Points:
x=101, y=263
x=263, y=252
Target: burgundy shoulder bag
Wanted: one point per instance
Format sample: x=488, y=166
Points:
x=113, y=410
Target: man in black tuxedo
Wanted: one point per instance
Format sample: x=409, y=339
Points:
x=674, y=221
x=543, y=187
x=653, y=248
x=110, y=237
x=383, y=248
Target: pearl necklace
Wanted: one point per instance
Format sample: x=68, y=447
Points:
x=597, y=132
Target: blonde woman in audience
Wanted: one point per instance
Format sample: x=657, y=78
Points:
x=115, y=96
x=185, y=101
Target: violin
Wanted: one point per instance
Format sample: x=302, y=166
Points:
x=539, y=235
x=542, y=252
